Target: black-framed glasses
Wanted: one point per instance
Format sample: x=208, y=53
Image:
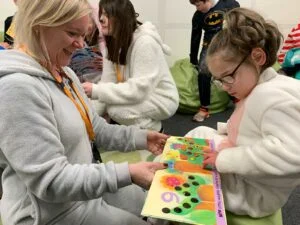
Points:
x=230, y=78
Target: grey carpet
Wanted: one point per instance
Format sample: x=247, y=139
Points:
x=180, y=124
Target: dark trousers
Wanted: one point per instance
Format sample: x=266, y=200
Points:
x=204, y=80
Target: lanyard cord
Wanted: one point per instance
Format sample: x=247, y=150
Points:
x=84, y=115
x=120, y=77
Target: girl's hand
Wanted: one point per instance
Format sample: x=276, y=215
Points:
x=88, y=87
x=210, y=159
x=156, y=142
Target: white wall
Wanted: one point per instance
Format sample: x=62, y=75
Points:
x=173, y=18
x=7, y=8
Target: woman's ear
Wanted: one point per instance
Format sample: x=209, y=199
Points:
x=258, y=55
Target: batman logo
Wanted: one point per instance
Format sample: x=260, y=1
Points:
x=214, y=18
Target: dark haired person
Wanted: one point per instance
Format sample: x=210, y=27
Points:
x=136, y=87
x=208, y=18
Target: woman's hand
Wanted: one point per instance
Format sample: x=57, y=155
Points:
x=88, y=87
x=156, y=142
x=142, y=173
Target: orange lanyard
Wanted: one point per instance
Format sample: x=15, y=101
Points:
x=84, y=115
x=120, y=77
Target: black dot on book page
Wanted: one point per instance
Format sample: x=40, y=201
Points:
x=177, y=210
x=166, y=210
x=186, y=185
x=191, y=177
x=186, y=193
x=194, y=200
x=178, y=188
x=195, y=183
x=186, y=205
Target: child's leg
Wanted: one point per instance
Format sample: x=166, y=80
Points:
x=204, y=95
x=204, y=83
x=204, y=86
x=274, y=219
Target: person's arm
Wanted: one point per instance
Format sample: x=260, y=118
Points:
x=143, y=78
x=32, y=146
x=117, y=137
x=195, y=38
x=277, y=153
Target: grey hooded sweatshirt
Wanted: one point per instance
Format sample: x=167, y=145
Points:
x=45, y=152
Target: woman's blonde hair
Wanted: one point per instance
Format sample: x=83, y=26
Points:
x=33, y=14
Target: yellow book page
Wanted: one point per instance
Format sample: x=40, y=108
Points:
x=185, y=191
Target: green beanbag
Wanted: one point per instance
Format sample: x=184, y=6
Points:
x=274, y=219
x=1, y=36
x=185, y=76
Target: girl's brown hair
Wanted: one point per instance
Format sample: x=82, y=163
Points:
x=244, y=30
x=124, y=23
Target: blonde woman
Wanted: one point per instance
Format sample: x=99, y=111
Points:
x=47, y=127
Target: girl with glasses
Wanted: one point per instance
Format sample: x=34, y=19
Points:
x=258, y=153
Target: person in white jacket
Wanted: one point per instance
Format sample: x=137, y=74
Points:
x=258, y=159
x=136, y=87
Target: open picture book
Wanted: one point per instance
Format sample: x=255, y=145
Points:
x=185, y=191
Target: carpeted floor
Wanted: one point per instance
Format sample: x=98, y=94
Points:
x=180, y=124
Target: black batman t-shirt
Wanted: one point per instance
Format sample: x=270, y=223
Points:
x=210, y=22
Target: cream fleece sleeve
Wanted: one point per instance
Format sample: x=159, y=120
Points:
x=274, y=150
x=143, y=78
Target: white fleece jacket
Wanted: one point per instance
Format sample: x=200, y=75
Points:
x=148, y=94
x=259, y=174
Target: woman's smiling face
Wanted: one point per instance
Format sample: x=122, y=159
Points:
x=63, y=40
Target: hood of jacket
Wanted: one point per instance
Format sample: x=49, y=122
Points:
x=14, y=61
x=148, y=28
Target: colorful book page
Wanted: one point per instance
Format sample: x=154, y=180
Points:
x=185, y=191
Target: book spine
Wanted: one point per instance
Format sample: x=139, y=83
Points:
x=219, y=202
